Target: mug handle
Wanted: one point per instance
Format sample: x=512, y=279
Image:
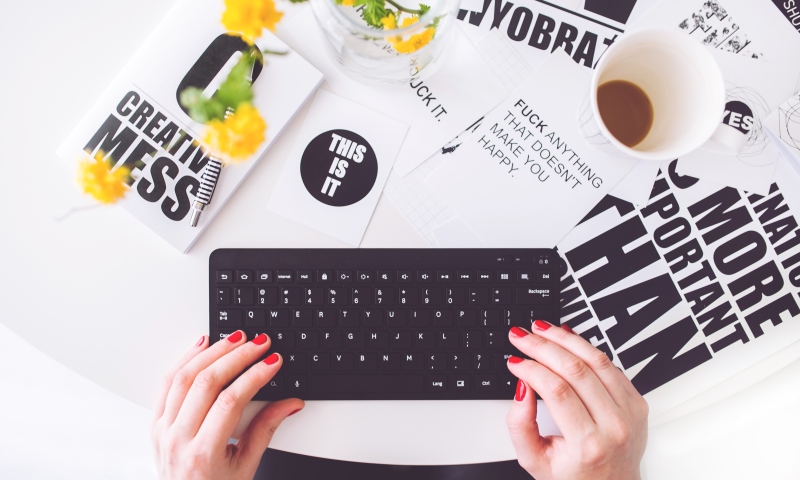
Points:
x=726, y=140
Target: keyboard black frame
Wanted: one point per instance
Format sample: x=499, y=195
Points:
x=395, y=259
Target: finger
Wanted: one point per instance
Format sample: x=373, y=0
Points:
x=616, y=383
x=161, y=396
x=227, y=409
x=259, y=434
x=209, y=383
x=186, y=375
x=575, y=371
x=523, y=429
x=567, y=410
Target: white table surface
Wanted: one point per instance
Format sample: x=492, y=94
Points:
x=103, y=296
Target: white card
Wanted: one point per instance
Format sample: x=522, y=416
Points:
x=529, y=184
x=436, y=109
x=338, y=167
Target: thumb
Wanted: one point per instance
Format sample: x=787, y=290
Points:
x=256, y=438
x=524, y=432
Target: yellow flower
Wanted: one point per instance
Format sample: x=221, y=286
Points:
x=97, y=179
x=238, y=136
x=250, y=17
x=348, y=3
x=389, y=22
x=414, y=42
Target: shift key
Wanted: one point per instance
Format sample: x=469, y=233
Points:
x=533, y=295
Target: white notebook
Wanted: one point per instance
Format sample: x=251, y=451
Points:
x=138, y=117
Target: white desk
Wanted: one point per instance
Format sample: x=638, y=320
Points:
x=105, y=297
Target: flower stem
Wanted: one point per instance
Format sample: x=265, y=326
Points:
x=402, y=8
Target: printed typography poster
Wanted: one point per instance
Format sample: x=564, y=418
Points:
x=691, y=289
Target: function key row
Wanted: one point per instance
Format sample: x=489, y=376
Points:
x=383, y=276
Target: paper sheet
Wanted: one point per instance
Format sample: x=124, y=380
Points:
x=464, y=87
x=338, y=167
x=635, y=187
x=527, y=175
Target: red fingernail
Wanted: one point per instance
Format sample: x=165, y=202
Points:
x=520, y=395
x=272, y=359
x=201, y=341
x=294, y=412
x=513, y=359
x=541, y=325
x=568, y=329
x=235, y=336
x=260, y=339
x=518, y=332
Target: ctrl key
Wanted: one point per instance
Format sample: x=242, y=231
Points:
x=485, y=383
x=436, y=383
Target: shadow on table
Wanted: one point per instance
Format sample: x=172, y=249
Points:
x=277, y=465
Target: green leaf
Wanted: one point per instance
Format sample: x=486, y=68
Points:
x=373, y=12
x=298, y=1
x=423, y=8
x=237, y=88
x=201, y=109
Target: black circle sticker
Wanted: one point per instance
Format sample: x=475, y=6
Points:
x=339, y=168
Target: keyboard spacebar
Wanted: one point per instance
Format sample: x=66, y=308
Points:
x=367, y=383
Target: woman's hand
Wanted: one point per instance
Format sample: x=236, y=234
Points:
x=198, y=408
x=601, y=415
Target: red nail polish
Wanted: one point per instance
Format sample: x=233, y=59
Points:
x=201, y=341
x=260, y=339
x=518, y=332
x=235, y=336
x=272, y=359
x=294, y=412
x=520, y=395
x=541, y=325
x=513, y=359
x=568, y=329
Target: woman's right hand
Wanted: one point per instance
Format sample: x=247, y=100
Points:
x=201, y=402
x=601, y=415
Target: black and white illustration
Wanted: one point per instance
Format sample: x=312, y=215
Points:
x=338, y=167
x=717, y=29
x=789, y=123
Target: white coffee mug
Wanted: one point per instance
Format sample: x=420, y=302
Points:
x=685, y=88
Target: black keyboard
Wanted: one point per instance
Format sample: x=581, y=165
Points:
x=384, y=324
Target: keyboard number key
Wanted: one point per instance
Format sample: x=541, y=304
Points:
x=315, y=295
x=291, y=296
x=384, y=296
x=455, y=296
x=362, y=296
x=408, y=295
x=268, y=296
x=244, y=296
x=337, y=296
